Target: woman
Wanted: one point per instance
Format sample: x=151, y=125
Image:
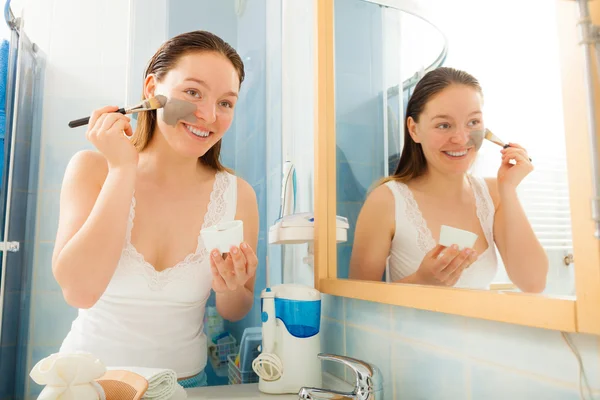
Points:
x=401, y=218
x=141, y=288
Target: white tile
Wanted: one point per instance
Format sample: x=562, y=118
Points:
x=375, y=348
x=423, y=373
x=438, y=329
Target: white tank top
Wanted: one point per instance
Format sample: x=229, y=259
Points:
x=413, y=239
x=155, y=319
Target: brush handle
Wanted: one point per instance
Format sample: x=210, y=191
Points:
x=86, y=120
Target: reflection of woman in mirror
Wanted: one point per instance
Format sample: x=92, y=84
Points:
x=401, y=219
x=141, y=288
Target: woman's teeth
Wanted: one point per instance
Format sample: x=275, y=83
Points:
x=456, y=153
x=197, y=132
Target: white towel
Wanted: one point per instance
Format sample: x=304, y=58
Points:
x=162, y=383
x=68, y=376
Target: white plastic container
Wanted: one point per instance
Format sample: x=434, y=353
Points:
x=223, y=235
x=463, y=239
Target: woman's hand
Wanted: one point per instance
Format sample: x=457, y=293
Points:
x=232, y=272
x=443, y=266
x=510, y=175
x=109, y=132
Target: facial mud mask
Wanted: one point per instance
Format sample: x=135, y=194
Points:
x=475, y=139
x=177, y=110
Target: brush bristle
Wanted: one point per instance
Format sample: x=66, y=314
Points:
x=493, y=138
x=157, y=101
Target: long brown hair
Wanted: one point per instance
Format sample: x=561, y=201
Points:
x=412, y=162
x=165, y=58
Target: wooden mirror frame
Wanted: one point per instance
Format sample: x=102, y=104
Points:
x=581, y=314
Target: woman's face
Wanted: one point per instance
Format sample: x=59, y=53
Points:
x=208, y=80
x=445, y=126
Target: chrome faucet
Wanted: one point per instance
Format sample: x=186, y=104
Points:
x=368, y=383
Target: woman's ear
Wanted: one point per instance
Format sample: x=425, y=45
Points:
x=149, y=86
x=412, y=129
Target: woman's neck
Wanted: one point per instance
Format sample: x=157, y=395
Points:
x=437, y=183
x=159, y=162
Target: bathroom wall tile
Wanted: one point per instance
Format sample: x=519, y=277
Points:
x=373, y=347
x=52, y=319
x=353, y=31
x=57, y=155
x=438, y=329
x=355, y=143
x=48, y=220
x=353, y=181
x=350, y=210
x=344, y=253
x=547, y=354
x=421, y=373
x=333, y=342
x=371, y=315
x=332, y=307
x=44, y=280
x=494, y=383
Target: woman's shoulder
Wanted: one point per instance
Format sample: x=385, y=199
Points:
x=245, y=191
x=382, y=196
x=88, y=165
x=492, y=186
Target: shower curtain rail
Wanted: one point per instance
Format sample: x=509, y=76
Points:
x=10, y=19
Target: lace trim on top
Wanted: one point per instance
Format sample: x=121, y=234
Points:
x=425, y=241
x=134, y=261
x=483, y=200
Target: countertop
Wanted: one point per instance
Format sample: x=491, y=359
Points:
x=251, y=392
x=248, y=391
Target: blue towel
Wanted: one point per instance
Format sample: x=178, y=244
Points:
x=4, y=54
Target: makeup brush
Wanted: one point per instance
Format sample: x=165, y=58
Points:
x=495, y=139
x=152, y=103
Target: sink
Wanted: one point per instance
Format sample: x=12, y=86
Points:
x=250, y=391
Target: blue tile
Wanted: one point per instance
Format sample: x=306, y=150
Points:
x=353, y=30
x=44, y=280
x=353, y=182
x=48, y=220
x=332, y=307
x=350, y=210
x=57, y=155
x=497, y=383
x=372, y=347
x=368, y=314
x=275, y=265
x=344, y=253
x=52, y=318
x=430, y=327
x=332, y=342
x=357, y=144
x=546, y=352
x=421, y=373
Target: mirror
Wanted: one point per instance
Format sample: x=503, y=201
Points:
x=382, y=51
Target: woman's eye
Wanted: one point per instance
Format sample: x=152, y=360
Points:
x=475, y=122
x=226, y=104
x=443, y=126
x=193, y=93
